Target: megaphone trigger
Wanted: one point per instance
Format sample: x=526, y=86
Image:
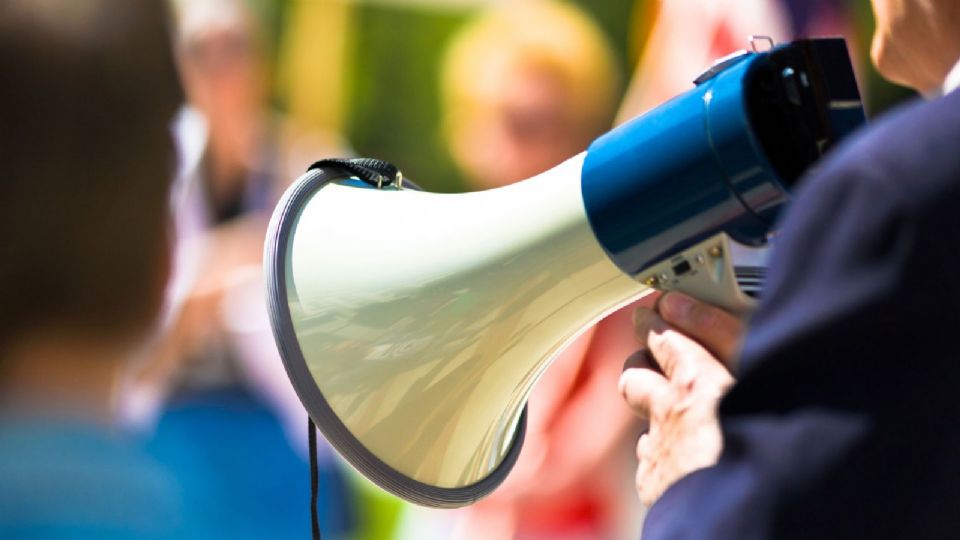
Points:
x=709, y=272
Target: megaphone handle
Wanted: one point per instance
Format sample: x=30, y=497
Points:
x=376, y=172
x=707, y=272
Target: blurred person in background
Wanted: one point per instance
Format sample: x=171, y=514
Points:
x=216, y=396
x=526, y=86
x=89, y=90
x=239, y=156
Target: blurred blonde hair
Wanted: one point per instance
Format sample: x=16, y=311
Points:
x=548, y=35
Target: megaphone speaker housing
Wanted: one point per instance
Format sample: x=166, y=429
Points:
x=414, y=346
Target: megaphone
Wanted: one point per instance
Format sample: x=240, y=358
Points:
x=414, y=325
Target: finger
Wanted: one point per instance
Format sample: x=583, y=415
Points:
x=646, y=472
x=643, y=447
x=642, y=388
x=681, y=358
x=645, y=320
x=719, y=331
x=641, y=359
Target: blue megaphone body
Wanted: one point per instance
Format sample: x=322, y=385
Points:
x=721, y=158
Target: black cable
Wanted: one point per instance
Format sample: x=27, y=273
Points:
x=314, y=478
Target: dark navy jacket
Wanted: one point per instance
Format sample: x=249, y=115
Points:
x=845, y=422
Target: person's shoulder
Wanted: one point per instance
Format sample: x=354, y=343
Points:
x=908, y=155
x=879, y=206
x=69, y=476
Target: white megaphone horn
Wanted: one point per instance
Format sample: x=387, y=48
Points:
x=413, y=325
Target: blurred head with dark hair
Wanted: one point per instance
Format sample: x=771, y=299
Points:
x=87, y=91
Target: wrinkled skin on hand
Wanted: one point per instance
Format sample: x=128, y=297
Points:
x=675, y=382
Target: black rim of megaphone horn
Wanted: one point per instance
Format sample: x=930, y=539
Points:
x=324, y=417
